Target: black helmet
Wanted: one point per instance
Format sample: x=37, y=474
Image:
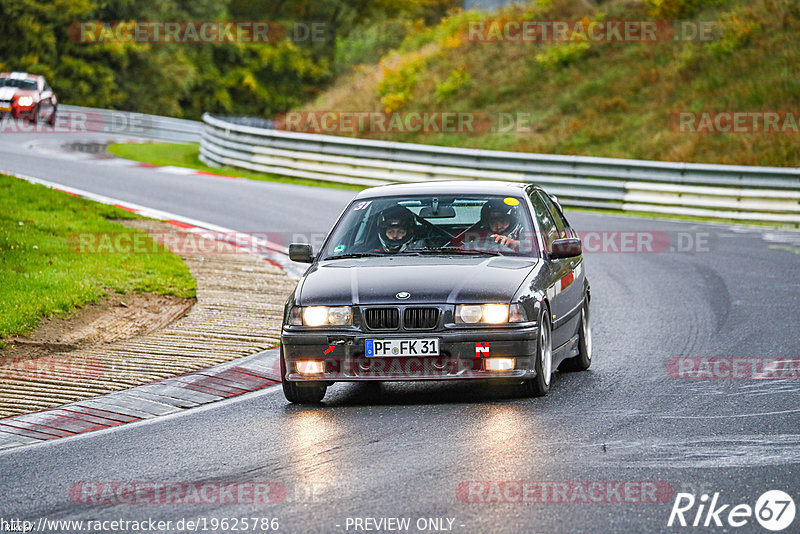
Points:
x=395, y=217
x=496, y=209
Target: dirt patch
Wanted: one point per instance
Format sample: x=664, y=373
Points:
x=112, y=318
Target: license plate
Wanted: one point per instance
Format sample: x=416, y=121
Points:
x=402, y=347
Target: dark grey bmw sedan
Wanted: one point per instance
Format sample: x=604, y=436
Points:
x=456, y=280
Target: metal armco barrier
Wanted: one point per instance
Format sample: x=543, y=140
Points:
x=131, y=124
x=769, y=194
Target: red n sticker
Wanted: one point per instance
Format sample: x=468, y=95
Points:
x=481, y=349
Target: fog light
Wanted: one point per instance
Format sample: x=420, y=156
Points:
x=310, y=367
x=499, y=364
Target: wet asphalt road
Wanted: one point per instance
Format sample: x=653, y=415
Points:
x=404, y=450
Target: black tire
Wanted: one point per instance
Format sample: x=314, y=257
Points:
x=583, y=360
x=52, y=120
x=35, y=115
x=305, y=393
x=539, y=386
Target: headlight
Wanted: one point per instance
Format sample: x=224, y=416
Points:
x=25, y=101
x=495, y=313
x=322, y=316
x=490, y=313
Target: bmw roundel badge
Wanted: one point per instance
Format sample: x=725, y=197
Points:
x=403, y=295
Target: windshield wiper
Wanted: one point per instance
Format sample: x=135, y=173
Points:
x=354, y=255
x=445, y=250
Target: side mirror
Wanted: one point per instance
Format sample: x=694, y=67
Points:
x=566, y=248
x=301, y=253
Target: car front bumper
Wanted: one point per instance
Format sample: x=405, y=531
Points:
x=342, y=354
x=17, y=112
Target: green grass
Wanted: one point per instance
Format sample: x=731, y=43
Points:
x=186, y=155
x=41, y=274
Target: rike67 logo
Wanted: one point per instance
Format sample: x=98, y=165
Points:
x=774, y=510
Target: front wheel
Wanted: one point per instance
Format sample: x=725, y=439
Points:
x=539, y=386
x=305, y=393
x=583, y=360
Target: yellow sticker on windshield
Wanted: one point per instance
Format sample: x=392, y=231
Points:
x=511, y=201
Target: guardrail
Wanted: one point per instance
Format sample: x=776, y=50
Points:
x=135, y=124
x=770, y=194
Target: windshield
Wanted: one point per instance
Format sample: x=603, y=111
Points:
x=21, y=84
x=441, y=224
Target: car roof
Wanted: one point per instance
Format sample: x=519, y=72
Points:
x=446, y=187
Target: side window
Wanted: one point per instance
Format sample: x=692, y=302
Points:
x=545, y=220
x=559, y=221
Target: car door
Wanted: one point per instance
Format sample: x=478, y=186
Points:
x=559, y=270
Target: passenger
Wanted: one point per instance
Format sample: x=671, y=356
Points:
x=501, y=220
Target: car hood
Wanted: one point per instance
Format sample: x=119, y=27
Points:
x=428, y=279
x=7, y=93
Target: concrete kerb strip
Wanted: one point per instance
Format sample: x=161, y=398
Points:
x=226, y=380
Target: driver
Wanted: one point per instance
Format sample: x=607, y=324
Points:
x=396, y=229
x=501, y=220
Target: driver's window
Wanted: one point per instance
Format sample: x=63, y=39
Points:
x=551, y=207
x=545, y=220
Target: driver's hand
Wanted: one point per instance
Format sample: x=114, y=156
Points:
x=505, y=240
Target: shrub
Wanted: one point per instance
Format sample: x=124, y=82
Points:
x=458, y=79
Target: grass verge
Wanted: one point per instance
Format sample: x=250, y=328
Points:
x=186, y=155
x=42, y=274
